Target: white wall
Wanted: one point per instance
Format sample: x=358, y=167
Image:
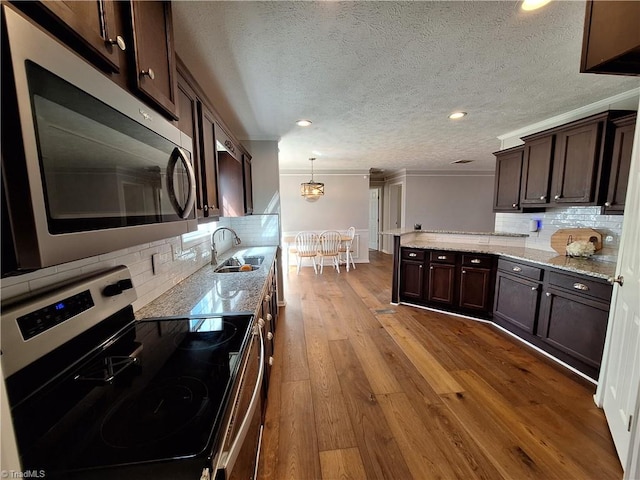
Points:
x=265, y=175
x=344, y=204
x=450, y=201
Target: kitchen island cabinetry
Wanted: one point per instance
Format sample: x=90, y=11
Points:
x=506, y=196
x=620, y=164
x=448, y=280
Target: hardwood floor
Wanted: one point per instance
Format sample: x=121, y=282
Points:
x=362, y=389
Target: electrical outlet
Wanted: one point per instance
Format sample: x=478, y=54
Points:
x=155, y=263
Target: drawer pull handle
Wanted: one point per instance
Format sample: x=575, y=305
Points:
x=475, y=260
x=580, y=286
x=516, y=269
x=464, y=271
x=442, y=257
x=548, y=294
x=534, y=289
x=413, y=254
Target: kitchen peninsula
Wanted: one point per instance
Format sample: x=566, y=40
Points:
x=555, y=303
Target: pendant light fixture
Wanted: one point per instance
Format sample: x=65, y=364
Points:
x=311, y=190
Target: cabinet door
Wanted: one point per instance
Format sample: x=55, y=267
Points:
x=517, y=301
x=188, y=123
x=620, y=164
x=155, y=74
x=441, y=283
x=208, y=164
x=475, y=289
x=93, y=23
x=611, y=41
x=576, y=164
x=575, y=325
x=536, y=170
x=507, y=180
x=411, y=280
x=231, y=185
x=248, y=184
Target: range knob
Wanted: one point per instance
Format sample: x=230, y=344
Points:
x=117, y=288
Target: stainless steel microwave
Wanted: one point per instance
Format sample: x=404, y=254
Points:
x=87, y=168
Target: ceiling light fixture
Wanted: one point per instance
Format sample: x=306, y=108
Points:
x=303, y=123
x=457, y=115
x=311, y=190
x=528, y=5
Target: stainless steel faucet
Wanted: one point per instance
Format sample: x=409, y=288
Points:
x=214, y=252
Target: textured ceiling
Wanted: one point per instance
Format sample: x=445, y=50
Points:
x=378, y=79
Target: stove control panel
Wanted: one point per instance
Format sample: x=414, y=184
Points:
x=47, y=317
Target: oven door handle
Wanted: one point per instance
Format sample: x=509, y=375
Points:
x=178, y=154
x=234, y=450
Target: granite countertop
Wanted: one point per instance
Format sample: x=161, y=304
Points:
x=406, y=231
x=206, y=292
x=585, y=266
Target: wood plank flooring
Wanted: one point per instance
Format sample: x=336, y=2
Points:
x=362, y=389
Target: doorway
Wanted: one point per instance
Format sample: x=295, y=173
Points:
x=375, y=215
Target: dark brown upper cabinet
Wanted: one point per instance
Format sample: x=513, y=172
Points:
x=248, y=184
x=231, y=185
x=578, y=162
x=90, y=27
x=620, y=164
x=209, y=165
x=507, y=180
x=611, y=40
x=154, y=55
x=565, y=165
x=536, y=170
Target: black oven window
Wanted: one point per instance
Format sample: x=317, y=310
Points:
x=99, y=168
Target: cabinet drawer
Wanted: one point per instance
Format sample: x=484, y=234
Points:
x=581, y=285
x=480, y=261
x=443, y=257
x=515, y=268
x=412, y=254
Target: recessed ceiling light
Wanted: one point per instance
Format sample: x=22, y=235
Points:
x=461, y=161
x=457, y=115
x=303, y=123
x=529, y=5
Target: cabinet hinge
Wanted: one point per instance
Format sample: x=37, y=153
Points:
x=629, y=424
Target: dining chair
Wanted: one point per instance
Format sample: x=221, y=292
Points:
x=346, y=247
x=307, y=247
x=330, y=247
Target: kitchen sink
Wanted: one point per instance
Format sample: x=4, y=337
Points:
x=239, y=264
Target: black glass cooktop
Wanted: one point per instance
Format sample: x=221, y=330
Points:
x=113, y=410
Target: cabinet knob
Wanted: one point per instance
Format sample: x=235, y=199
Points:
x=556, y=197
x=148, y=73
x=271, y=361
x=261, y=322
x=267, y=298
x=607, y=204
x=269, y=317
x=205, y=208
x=119, y=41
x=547, y=294
x=269, y=336
x=514, y=205
x=464, y=271
x=430, y=268
x=619, y=280
x=534, y=289
x=543, y=197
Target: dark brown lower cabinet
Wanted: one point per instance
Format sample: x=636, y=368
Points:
x=411, y=280
x=441, y=286
x=475, y=289
x=517, y=301
x=563, y=314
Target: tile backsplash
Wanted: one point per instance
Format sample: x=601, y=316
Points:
x=610, y=226
x=175, y=259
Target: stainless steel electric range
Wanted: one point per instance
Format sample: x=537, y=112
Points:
x=95, y=394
